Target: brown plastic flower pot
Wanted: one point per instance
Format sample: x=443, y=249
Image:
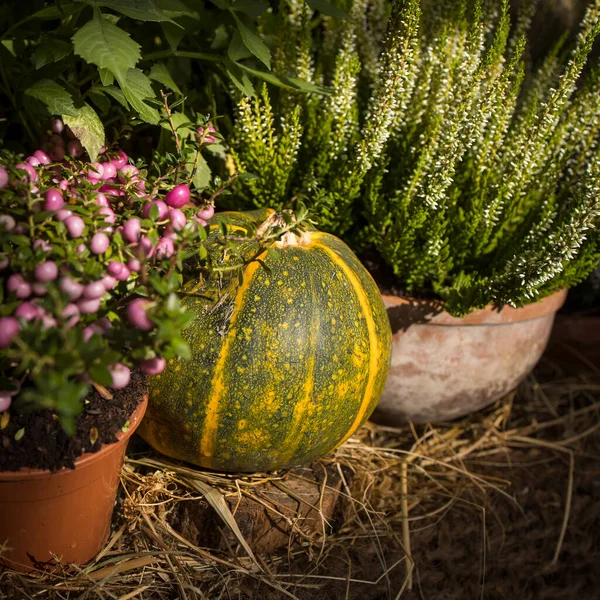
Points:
x=444, y=367
x=66, y=513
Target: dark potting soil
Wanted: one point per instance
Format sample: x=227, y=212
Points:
x=45, y=445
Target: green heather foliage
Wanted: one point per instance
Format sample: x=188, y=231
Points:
x=474, y=175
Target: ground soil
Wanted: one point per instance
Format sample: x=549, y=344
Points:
x=45, y=445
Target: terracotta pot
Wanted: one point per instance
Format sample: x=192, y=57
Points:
x=445, y=367
x=67, y=512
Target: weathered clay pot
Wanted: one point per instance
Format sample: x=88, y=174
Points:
x=66, y=513
x=445, y=367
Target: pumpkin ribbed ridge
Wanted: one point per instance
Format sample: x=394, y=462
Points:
x=282, y=373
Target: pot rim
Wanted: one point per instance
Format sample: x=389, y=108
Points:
x=485, y=316
x=87, y=458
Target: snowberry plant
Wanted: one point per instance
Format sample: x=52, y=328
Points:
x=471, y=173
x=92, y=254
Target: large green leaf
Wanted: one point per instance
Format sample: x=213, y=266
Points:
x=50, y=51
x=137, y=88
x=253, y=42
x=57, y=100
x=107, y=46
x=88, y=129
x=160, y=73
x=141, y=10
x=252, y=8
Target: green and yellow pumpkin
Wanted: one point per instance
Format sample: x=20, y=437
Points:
x=283, y=370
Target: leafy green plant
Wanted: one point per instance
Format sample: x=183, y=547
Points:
x=471, y=174
x=97, y=63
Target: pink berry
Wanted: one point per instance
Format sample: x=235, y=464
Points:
x=136, y=313
x=101, y=199
x=123, y=275
x=63, y=214
x=57, y=153
x=109, y=171
x=3, y=177
x=88, y=305
x=46, y=272
x=7, y=223
x=109, y=214
x=178, y=196
x=91, y=330
x=108, y=282
x=153, y=366
x=74, y=148
x=178, y=219
x=48, y=322
x=127, y=172
x=200, y=220
x=33, y=161
x=42, y=245
x=95, y=171
x=71, y=313
x=17, y=285
x=75, y=226
x=206, y=213
x=132, y=230
x=163, y=209
x=71, y=288
x=54, y=200
x=42, y=157
x=164, y=248
x=111, y=190
x=120, y=375
x=94, y=290
x=121, y=160
x=133, y=264
x=31, y=172
x=99, y=243
x=81, y=249
x=146, y=246
x=63, y=184
x=57, y=126
x=114, y=268
x=27, y=311
x=5, y=401
x=170, y=233
x=9, y=328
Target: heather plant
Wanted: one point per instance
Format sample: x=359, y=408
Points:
x=473, y=175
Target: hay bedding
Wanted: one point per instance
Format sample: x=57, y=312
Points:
x=503, y=504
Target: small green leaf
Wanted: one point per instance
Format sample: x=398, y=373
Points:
x=106, y=77
x=50, y=51
x=54, y=96
x=253, y=41
x=88, y=129
x=160, y=73
x=239, y=78
x=99, y=373
x=103, y=44
x=126, y=426
x=137, y=88
x=286, y=82
x=20, y=433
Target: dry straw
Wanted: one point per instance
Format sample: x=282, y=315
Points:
x=394, y=483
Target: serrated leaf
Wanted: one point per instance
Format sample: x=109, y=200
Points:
x=328, y=9
x=54, y=96
x=109, y=47
x=87, y=128
x=203, y=174
x=237, y=49
x=137, y=88
x=50, y=51
x=253, y=41
x=106, y=77
x=141, y=10
x=160, y=73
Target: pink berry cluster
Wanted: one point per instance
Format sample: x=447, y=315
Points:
x=97, y=234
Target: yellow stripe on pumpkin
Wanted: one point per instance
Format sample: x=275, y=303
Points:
x=374, y=348
x=211, y=420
